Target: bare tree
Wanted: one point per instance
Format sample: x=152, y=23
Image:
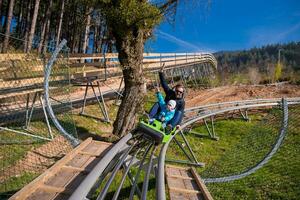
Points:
x=33, y=24
x=8, y=23
x=44, y=26
x=60, y=21
x=27, y=25
x=87, y=30
x=1, y=2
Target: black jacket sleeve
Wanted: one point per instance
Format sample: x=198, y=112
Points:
x=181, y=105
x=163, y=82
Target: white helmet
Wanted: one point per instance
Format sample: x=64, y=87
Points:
x=172, y=103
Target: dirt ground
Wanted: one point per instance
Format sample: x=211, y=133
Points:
x=242, y=92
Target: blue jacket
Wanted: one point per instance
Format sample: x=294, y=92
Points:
x=168, y=115
x=170, y=94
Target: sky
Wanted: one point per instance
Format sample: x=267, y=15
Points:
x=227, y=25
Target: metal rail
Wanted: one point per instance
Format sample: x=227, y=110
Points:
x=275, y=148
x=86, y=185
x=160, y=181
x=244, y=102
x=74, y=141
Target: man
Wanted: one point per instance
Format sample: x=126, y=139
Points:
x=176, y=94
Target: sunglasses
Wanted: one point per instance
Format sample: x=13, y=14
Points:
x=179, y=92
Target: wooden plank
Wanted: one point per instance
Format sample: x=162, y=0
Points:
x=185, y=190
x=61, y=178
x=176, y=167
x=89, y=154
x=28, y=189
x=96, y=147
x=79, y=169
x=186, y=173
x=52, y=189
x=190, y=184
x=40, y=194
x=175, y=183
x=75, y=182
x=202, y=186
x=180, y=177
x=79, y=160
x=172, y=171
x=176, y=195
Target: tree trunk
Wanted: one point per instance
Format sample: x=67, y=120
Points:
x=33, y=23
x=73, y=31
x=1, y=2
x=95, y=46
x=1, y=7
x=27, y=25
x=45, y=45
x=130, y=50
x=20, y=18
x=43, y=30
x=8, y=23
x=87, y=30
x=60, y=21
x=44, y=27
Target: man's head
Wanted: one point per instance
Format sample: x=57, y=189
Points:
x=171, y=105
x=179, y=90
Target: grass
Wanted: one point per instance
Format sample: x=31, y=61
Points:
x=241, y=146
x=13, y=184
x=125, y=191
x=13, y=148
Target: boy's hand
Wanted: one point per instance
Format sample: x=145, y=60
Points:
x=163, y=119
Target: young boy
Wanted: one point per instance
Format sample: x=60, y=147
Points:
x=167, y=111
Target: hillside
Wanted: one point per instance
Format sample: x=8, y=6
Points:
x=260, y=63
x=241, y=92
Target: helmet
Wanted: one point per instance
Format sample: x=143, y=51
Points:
x=172, y=103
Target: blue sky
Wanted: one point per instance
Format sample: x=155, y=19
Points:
x=228, y=25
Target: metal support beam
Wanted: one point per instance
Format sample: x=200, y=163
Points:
x=101, y=102
x=245, y=114
x=119, y=92
x=188, y=145
x=192, y=160
x=211, y=131
x=25, y=130
x=185, y=162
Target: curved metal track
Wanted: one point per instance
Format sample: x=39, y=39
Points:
x=267, y=157
x=48, y=69
x=128, y=145
x=117, y=156
x=161, y=195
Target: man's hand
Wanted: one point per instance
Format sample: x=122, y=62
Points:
x=162, y=67
x=163, y=119
x=157, y=89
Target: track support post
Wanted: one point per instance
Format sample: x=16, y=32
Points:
x=100, y=101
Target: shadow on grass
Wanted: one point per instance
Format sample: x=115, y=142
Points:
x=125, y=192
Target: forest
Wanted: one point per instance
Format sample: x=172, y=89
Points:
x=260, y=64
x=46, y=22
